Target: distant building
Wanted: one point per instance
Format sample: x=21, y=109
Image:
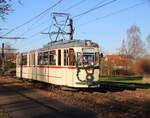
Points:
x=116, y=61
x=115, y=65
x=11, y=57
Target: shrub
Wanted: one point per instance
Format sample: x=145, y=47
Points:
x=143, y=66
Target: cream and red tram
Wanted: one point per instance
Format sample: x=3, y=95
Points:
x=70, y=63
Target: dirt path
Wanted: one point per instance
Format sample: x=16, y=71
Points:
x=106, y=103
x=20, y=101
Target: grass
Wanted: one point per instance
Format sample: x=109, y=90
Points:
x=129, y=81
x=4, y=115
x=124, y=79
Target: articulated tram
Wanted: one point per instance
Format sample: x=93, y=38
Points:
x=69, y=63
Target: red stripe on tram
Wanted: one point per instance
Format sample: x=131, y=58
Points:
x=46, y=67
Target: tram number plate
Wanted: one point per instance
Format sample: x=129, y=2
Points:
x=88, y=50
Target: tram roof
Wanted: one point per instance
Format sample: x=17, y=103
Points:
x=69, y=43
x=66, y=43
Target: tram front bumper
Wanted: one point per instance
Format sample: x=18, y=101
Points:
x=90, y=84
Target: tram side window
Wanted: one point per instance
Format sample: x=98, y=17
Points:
x=40, y=58
x=65, y=57
x=24, y=60
x=79, y=58
x=52, y=57
x=59, y=57
x=32, y=59
x=45, y=58
x=71, y=57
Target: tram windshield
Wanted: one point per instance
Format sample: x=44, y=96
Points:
x=87, y=59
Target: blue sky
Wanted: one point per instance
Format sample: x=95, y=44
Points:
x=107, y=32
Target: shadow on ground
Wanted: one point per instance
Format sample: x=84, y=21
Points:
x=21, y=102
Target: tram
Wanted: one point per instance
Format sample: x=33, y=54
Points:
x=69, y=63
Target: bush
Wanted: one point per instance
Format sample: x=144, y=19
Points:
x=123, y=72
x=143, y=66
x=10, y=65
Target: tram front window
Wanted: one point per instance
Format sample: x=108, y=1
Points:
x=85, y=59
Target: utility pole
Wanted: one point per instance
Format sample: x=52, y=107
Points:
x=100, y=64
x=71, y=29
x=3, y=58
x=3, y=50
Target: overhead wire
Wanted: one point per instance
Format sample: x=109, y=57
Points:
x=33, y=18
x=74, y=5
x=85, y=11
x=95, y=8
x=99, y=6
x=71, y=7
x=31, y=27
x=35, y=34
x=116, y=12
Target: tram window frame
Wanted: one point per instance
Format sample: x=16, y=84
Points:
x=24, y=59
x=96, y=58
x=45, y=58
x=87, y=60
x=40, y=58
x=32, y=59
x=52, y=57
x=80, y=58
x=66, y=58
x=83, y=60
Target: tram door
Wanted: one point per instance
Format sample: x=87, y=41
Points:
x=34, y=69
x=20, y=66
x=71, y=63
x=71, y=57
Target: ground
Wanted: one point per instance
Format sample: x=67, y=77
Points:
x=101, y=103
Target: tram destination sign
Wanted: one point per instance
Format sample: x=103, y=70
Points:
x=90, y=50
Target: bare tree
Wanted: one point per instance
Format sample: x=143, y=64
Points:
x=135, y=46
x=132, y=48
x=8, y=50
x=123, y=49
x=148, y=43
x=5, y=8
x=123, y=52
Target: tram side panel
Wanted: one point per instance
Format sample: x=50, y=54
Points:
x=69, y=77
x=96, y=75
x=18, y=68
x=34, y=67
x=56, y=76
x=43, y=74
